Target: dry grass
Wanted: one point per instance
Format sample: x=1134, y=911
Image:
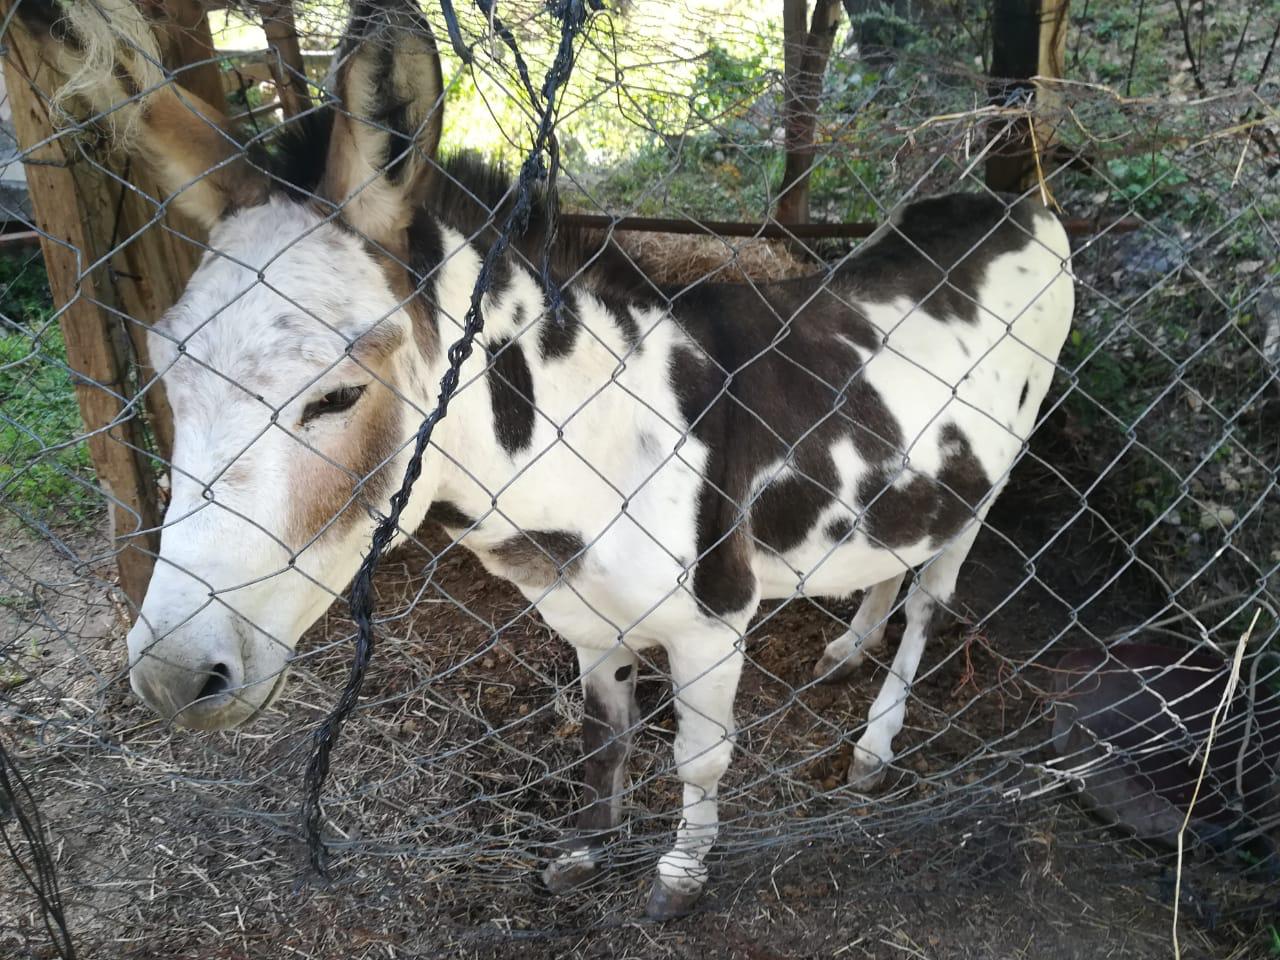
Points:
x=459, y=770
x=673, y=259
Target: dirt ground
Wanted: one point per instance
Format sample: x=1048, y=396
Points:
x=458, y=771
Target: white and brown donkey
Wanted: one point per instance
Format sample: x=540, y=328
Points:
x=647, y=469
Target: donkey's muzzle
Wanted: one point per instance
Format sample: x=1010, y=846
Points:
x=199, y=672
x=207, y=695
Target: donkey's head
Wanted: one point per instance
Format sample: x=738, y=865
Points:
x=293, y=359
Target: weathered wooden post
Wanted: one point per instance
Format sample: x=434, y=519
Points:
x=188, y=47
x=285, y=56
x=1028, y=39
x=115, y=262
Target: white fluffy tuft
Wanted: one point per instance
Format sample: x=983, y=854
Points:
x=114, y=37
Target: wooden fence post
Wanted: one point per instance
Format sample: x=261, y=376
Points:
x=113, y=432
x=1028, y=39
x=285, y=56
x=113, y=269
x=188, y=48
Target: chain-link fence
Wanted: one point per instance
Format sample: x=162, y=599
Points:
x=744, y=470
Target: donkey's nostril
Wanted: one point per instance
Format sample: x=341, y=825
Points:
x=219, y=681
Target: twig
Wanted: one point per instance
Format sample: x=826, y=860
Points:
x=1251, y=723
x=1133, y=54
x=1232, y=682
x=1045, y=196
x=1266, y=62
x=1235, y=57
x=1186, y=45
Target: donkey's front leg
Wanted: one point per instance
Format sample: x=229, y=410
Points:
x=608, y=723
x=704, y=676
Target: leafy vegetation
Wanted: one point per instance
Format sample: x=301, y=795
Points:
x=726, y=161
x=1143, y=182
x=41, y=457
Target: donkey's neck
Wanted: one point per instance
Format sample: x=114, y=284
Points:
x=469, y=437
x=521, y=392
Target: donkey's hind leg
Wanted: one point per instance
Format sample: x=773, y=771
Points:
x=846, y=652
x=927, y=602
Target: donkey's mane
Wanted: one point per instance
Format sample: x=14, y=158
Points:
x=473, y=196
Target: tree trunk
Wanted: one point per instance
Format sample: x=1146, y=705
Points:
x=112, y=428
x=805, y=57
x=188, y=48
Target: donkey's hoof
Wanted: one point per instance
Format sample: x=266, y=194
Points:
x=667, y=902
x=570, y=871
x=834, y=669
x=867, y=771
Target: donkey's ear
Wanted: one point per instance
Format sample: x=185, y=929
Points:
x=107, y=51
x=387, y=124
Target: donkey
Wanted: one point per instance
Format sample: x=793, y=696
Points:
x=647, y=467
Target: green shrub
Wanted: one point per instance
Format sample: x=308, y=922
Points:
x=42, y=459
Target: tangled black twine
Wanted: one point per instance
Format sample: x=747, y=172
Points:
x=18, y=804
x=571, y=15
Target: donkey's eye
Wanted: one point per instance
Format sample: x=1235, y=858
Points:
x=335, y=401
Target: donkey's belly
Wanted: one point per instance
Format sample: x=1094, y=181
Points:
x=824, y=571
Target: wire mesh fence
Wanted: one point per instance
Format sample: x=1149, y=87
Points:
x=704, y=460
